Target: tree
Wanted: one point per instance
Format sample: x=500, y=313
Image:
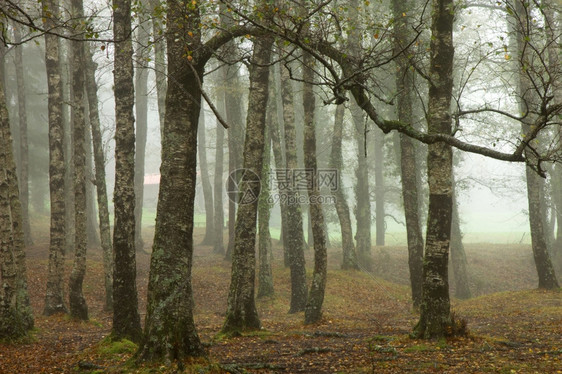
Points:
x=77, y=302
x=313, y=310
x=362, y=196
x=218, y=242
x=54, y=295
x=100, y=182
x=294, y=236
x=458, y=255
x=265, y=274
x=349, y=260
x=24, y=146
x=410, y=189
x=206, y=183
x=241, y=313
x=169, y=332
x=141, y=108
x=126, y=319
x=16, y=317
x=435, y=319
x=529, y=101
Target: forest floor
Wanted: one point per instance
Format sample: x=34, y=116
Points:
x=513, y=328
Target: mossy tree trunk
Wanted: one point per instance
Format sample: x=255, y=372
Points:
x=435, y=317
x=16, y=317
x=407, y=158
x=54, y=295
x=101, y=186
x=77, y=301
x=170, y=332
x=313, y=310
x=241, y=311
x=294, y=235
x=342, y=208
x=126, y=319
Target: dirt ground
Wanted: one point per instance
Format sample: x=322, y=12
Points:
x=367, y=320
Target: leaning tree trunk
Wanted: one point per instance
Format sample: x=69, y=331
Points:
x=169, y=332
x=101, y=186
x=126, y=319
x=23, y=176
x=528, y=102
x=342, y=208
x=435, y=318
x=54, y=295
x=241, y=313
x=141, y=121
x=294, y=235
x=458, y=255
x=16, y=317
x=408, y=172
x=206, y=183
x=313, y=310
x=265, y=274
x=78, y=307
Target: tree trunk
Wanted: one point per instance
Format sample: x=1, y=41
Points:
x=54, y=295
x=278, y=152
x=235, y=119
x=362, y=197
x=265, y=274
x=342, y=208
x=101, y=187
x=528, y=103
x=458, y=256
x=313, y=310
x=24, y=147
x=380, y=225
x=218, y=242
x=141, y=122
x=169, y=332
x=78, y=307
x=294, y=236
x=241, y=312
x=66, y=77
x=92, y=232
x=435, y=319
x=206, y=183
x=407, y=152
x=126, y=319
x=16, y=317
x=159, y=64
